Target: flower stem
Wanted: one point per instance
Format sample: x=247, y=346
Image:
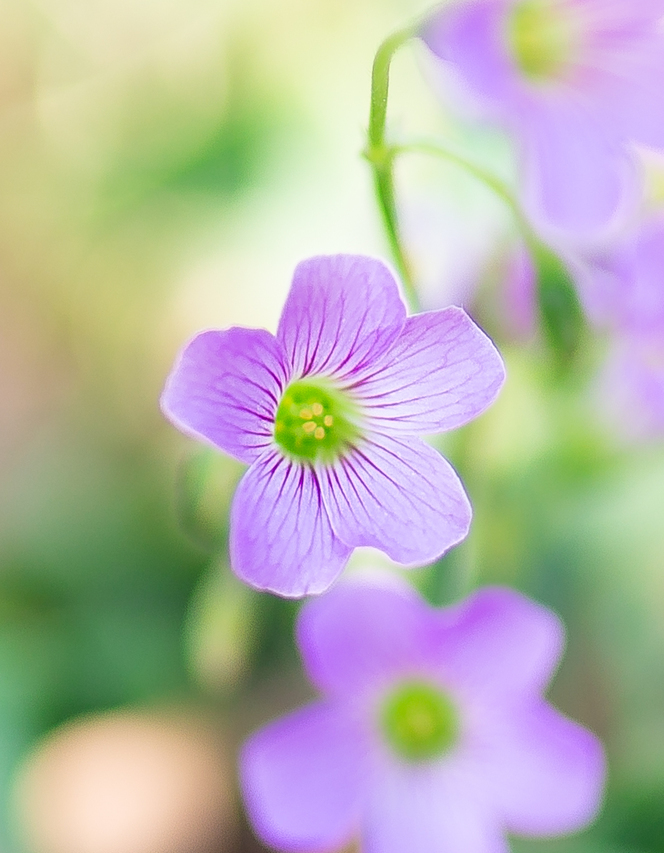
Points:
x=562, y=317
x=381, y=156
x=480, y=174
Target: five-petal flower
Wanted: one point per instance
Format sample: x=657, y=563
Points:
x=575, y=82
x=431, y=735
x=328, y=414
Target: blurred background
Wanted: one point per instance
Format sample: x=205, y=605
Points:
x=163, y=168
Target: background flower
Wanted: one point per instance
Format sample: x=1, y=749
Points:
x=327, y=414
x=623, y=289
x=574, y=81
x=431, y=733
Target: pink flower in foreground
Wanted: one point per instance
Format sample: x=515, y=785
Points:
x=574, y=81
x=431, y=734
x=329, y=413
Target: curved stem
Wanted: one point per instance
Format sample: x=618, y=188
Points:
x=381, y=157
x=479, y=173
x=380, y=80
x=561, y=314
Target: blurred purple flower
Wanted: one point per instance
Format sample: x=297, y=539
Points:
x=431, y=736
x=327, y=414
x=622, y=286
x=631, y=385
x=623, y=290
x=575, y=81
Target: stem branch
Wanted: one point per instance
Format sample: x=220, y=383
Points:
x=381, y=157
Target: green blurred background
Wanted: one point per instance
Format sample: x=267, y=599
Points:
x=163, y=167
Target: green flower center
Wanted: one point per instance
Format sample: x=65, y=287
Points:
x=542, y=37
x=315, y=421
x=419, y=721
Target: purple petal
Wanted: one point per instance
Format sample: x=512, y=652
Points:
x=544, y=772
x=430, y=809
x=442, y=372
x=631, y=385
x=578, y=174
x=358, y=635
x=303, y=780
x=398, y=495
x=225, y=388
x=633, y=83
x=470, y=36
x=645, y=116
x=342, y=313
x=518, y=313
x=500, y=645
x=622, y=285
x=280, y=534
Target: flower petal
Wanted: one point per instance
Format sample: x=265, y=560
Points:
x=501, y=645
x=280, y=535
x=442, y=372
x=631, y=385
x=225, y=388
x=469, y=36
x=578, y=174
x=399, y=495
x=360, y=634
x=430, y=809
x=544, y=772
x=303, y=779
x=342, y=313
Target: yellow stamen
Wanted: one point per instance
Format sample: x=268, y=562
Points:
x=317, y=409
x=309, y=426
x=306, y=414
x=319, y=433
x=328, y=420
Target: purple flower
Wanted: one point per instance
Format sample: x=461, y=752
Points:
x=622, y=286
x=431, y=734
x=631, y=385
x=328, y=415
x=574, y=81
x=623, y=289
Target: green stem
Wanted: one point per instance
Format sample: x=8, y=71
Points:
x=561, y=315
x=380, y=81
x=381, y=158
x=480, y=174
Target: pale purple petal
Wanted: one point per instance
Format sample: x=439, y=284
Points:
x=544, y=772
x=281, y=539
x=500, y=645
x=442, y=372
x=631, y=385
x=621, y=284
x=633, y=95
x=398, y=495
x=225, y=389
x=358, y=635
x=644, y=289
x=468, y=35
x=577, y=172
x=342, y=314
x=519, y=309
x=303, y=779
x=429, y=809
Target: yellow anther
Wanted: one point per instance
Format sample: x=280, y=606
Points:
x=306, y=414
x=309, y=426
x=319, y=433
x=328, y=420
x=317, y=409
